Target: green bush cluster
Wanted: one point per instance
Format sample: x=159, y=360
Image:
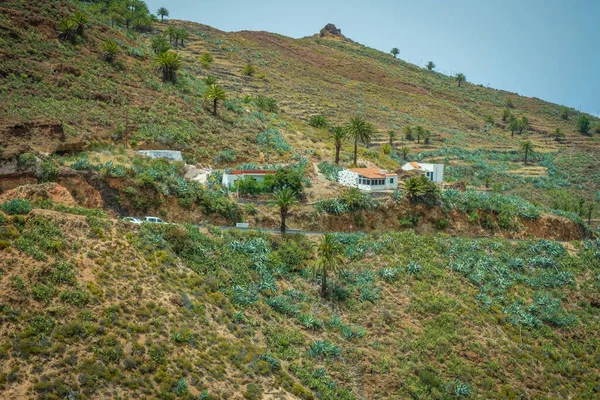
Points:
x=16, y=207
x=351, y=200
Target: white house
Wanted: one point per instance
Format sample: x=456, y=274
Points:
x=258, y=175
x=371, y=179
x=435, y=172
x=168, y=154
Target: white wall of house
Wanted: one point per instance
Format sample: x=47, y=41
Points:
x=353, y=179
x=229, y=179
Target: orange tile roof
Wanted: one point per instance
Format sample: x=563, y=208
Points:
x=371, y=173
x=414, y=164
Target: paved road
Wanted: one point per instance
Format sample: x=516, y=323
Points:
x=269, y=230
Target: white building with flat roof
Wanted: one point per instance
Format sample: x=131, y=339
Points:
x=258, y=175
x=434, y=172
x=369, y=179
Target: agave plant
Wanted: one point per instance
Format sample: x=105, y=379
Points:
x=110, y=50
x=168, y=64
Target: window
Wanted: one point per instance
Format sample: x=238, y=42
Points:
x=368, y=181
x=391, y=180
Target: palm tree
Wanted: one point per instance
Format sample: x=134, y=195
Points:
x=513, y=125
x=338, y=134
x=168, y=63
x=162, y=13
x=460, y=78
x=284, y=199
x=210, y=80
x=523, y=125
x=160, y=44
x=395, y=52
x=67, y=30
x=430, y=65
x=205, y=60
x=527, y=148
x=359, y=130
x=214, y=93
x=182, y=35
x=392, y=137
x=404, y=151
x=81, y=22
x=329, y=259
x=420, y=133
x=110, y=50
x=408, y=133
x=171, y=31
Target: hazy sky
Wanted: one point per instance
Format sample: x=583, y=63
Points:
x=548, y=49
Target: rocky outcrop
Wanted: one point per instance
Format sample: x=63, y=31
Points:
x=44, y=137
x=331, y=30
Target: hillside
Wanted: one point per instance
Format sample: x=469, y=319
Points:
x=94, y=308
x=488, y=293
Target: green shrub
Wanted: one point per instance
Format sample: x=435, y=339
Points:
x=75, y=297
x=318, y=121
x=442, y=223
x=16, y=207
x=43, y=293
x=324, y=349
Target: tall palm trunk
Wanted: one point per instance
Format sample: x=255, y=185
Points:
x=526, y=156
x=338, y=146
x=355, y=148
x=283, y=217
x=215, y=107
x=323, y=282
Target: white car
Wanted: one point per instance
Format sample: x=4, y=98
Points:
x=155, y=220
x=132, y=220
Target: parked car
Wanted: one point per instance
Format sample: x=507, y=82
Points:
x=155, y=220
x=132, y=220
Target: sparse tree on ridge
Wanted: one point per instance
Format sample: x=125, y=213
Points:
x=506, y=115
x=359, y=130
x=460, y=78
x=162, y=13
x=558, y=135
x=395, y=52
x=583, y=124
x=564, y=113
x=329, y=259
x=338, y=134
x=284, y=199
x=430, y=66
x=527, y=149
x=214, y=93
